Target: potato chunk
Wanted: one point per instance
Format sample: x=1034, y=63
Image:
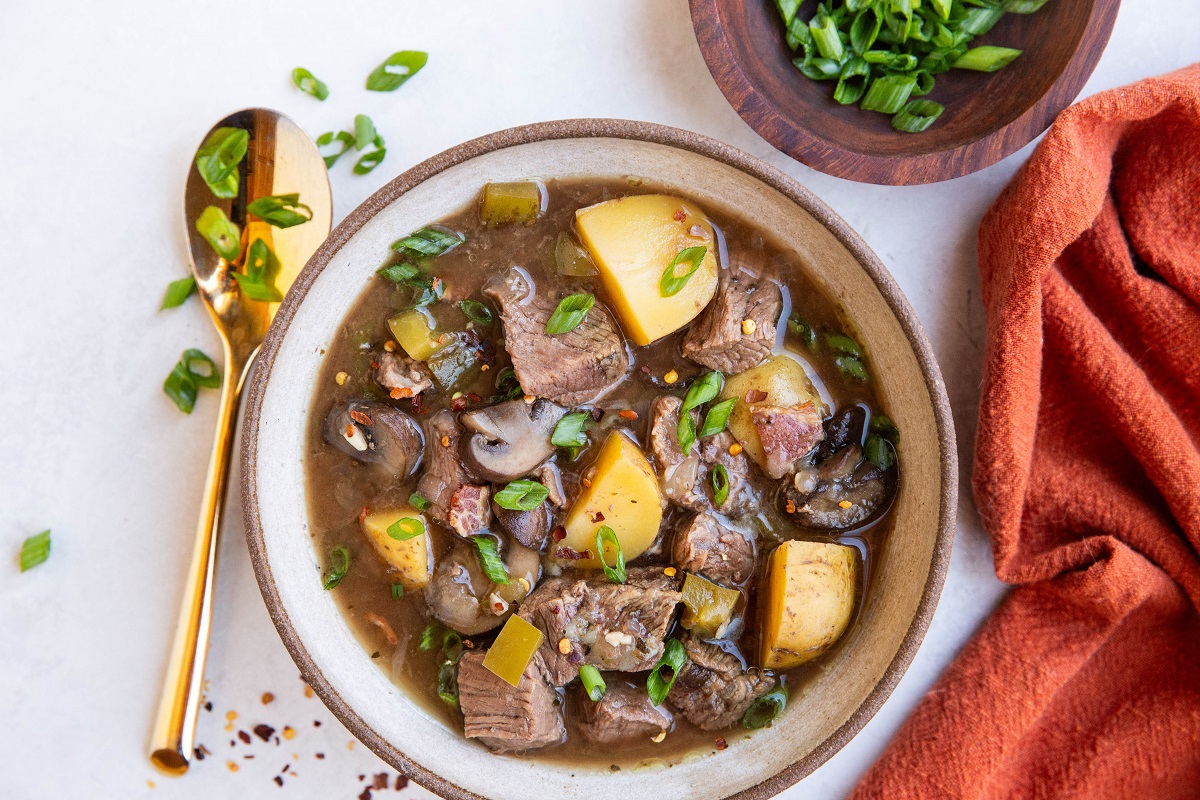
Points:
x=633, y=240
x=411, y=558
x=806, y=601
x=778, y=381
x=624, y=495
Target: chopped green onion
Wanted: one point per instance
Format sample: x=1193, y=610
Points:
x=193, y=372
x=397, y=591
x=917, y=116
x=852, y=83
x=766, y=709
x=522, y=495
x=1021, y=6
x=178, y=292
x=218, y=158
x=398, y=68
x=899, y=17
x=370, y=160
x=572, y=310
x=343, y=138
x=262, y=268
x=819, y=69
x=569, y=430
x=673, y=659
x=34, y=550
x=433, y=240
x=900, y=62
x=339, y=565
x=865, y=29
x=878, y=451
x=802, y=330
x=685, y=432
x=851, y=368
x=452, y=646
x=447, y=684
x=593, y=683
x=942, y=8
x=889, y=93
x=281, y=210
x=825, y=35
x=477, y=312
x=680, y=270
x=428, y=639
x=978, y=21
x=489, y=559
x=507, y=385
x=787, y=10
x=720, y=484
x=418, y=502
x=406, y=528
x=717, y=418
x=224, y=236
x=309, y=84
x=604, y=537
x=841, y=343
x=364, y=131
x=430, y=288
x=705, y=388
x=883, y=425
x=987, y=58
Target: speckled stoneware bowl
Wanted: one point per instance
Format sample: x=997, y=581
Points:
x=853, y=682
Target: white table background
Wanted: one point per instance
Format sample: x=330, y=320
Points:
x=104, y=105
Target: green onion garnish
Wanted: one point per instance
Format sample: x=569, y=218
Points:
x=398, y=68
x=673, y=659
x=852, y=83
x=917, y=116
x=680, y=270
x=569, y=430
x=477, y=312
x=418, y=502
x=685, y=432
x=717, y=418
x=507, y=385
x=433, y=240
x=523, y=495
x=878, y=451
x=604, y=537
x=720, y=484
x=489, y=559
x=825, y=36
x=428, y=638
x=987, y=58
x=406, y=528
x=889, y=93
x=705, y=388
x=883, y=425
x=339, y=565
x=447, y=684
x=980, y=20
x=1021, y=6
x=262, y=268
x=34, y=550
x=343, y=138
x=806, y=333
x=364, y=131
x=851, y=368
x=309, y=84
x=572, y=310
x=452, y=646
x=397, y=591
x=218, y=158
x=224, y=236
x=281, y=210
x=593, y=683
x=865, y=30
x=193, y=372
x=841, y=343
x=766, y=709
x=177, y=292
x=371, y=159
x=430, y=288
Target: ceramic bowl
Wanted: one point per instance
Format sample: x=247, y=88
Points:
x=852, y=683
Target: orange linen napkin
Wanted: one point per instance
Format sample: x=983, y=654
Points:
x=1085, y=683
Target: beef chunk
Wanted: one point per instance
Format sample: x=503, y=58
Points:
x=613, y=626
x=787, y=434
x=400, y=375
x=625, y=712
x=530, y=528
x=444, y=472
x=713, y=689
x=570, y=368
x=814, y=497
x=687, y=481
x=469, y=510
x=717, y=338
x=707, y=547
x=508, y=718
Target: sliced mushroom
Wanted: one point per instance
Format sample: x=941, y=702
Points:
x=841, y=493
x=530, y=528
x=510, y=439
x=375, y=433
x=461, y=597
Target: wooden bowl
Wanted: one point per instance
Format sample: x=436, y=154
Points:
x=850, y=685
x=987, y=116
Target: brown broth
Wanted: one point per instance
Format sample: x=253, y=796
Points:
x=339, y=488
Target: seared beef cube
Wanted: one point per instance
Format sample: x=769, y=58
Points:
x=613, y=626
x=679, y=475
x=444, y=471
x=713, y=689
x=742, y=495
x=401, y=375
x=787, y=434
x=625, y=712
x=737, y=330
x=569, y=368
x=508, y=718
x=708, y=548
x=470, y=511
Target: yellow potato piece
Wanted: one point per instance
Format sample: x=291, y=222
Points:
x=806, y=601
x=624, y=495
x=785, y=383
x=412, y=558
x=633, y=240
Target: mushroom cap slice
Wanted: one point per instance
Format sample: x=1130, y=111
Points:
x=375, y=433
x=510, y=439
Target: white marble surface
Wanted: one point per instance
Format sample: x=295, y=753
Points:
x=104, y=105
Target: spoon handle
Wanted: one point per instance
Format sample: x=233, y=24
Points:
x=174, y=738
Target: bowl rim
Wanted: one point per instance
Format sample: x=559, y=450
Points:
x=905, y=170
x=657, y=134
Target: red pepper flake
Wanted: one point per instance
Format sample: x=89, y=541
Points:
x=559, y=533
x=245, y=737
x=316, y=723
x=597, y=414
x=571, y=554
x=680, y=215
x=400, y=392
x=458, y=404
x=381, y=781
x=474, y=398
x=278, y=780
x=598, y=516
x=646, y=370
x=248, y=756
x=200, y=752
x=362, y=515
x=264, y=732
x=286, y=767
x=208, y=706
x=628, y=413
x=319, y=755
x=755, y=396
x=267, y=698
x=721, y=743
x=366, y=794
x=416, y=403
x=374, y=364
x=401, y=782
x=360, y=417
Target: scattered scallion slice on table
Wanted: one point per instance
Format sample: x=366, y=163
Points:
x=572, y=310
x=395, y=70
x=364, y=131
x=370, y=159
x=35, y=550
x=659, y=685
x=194, y=371
x=309, y=84
x=178, y=292
x=680, y=270
x=281, y=210
x=593, y=682
x=606, y=539
x=523, y=495
x=489, y=559
x=344, y=141
x=339, y=565
x=218, y=158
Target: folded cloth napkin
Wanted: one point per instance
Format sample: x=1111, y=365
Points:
x=1085, y=683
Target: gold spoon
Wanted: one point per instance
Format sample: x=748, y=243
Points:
x=280, y=159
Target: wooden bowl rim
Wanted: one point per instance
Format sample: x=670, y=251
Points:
x=611, y=129
x=927, y=167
